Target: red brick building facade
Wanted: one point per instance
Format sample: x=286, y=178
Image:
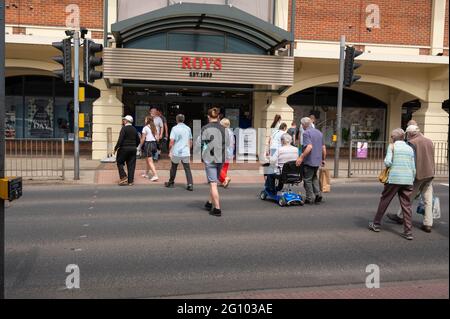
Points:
x=401, y=22
x=53, y=13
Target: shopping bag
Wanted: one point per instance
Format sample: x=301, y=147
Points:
x=436, y=207
x=324, y=180
x=421, y=206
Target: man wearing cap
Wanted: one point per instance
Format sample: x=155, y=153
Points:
x=424, y=156
x=126, y=151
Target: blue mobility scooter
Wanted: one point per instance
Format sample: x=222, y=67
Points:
x=290, y=175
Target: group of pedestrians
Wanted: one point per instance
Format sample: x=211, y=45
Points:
x=410, y=159
x=216, y=143
x=305, y=146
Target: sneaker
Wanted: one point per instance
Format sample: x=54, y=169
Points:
x=374, y=227
x=169, y=184
x=123, y=181
x=407, y=236
x=190, y=187
x=208, y=206
x=318, y=199
x=145, y=175
x=308, y=201
x=154, y=179
x=426, y=229
x=395, y=218
x=216, y=212
x=130, y=184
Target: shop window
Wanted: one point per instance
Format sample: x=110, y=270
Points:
x=14, y=116
x=153, y=42
x=42, y=107
x=237, y=45
x=196, y=42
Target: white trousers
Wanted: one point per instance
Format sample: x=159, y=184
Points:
x=423, y=187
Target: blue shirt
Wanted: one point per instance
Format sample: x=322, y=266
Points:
x=402, y=164
x=181, y=134
x=313, y=137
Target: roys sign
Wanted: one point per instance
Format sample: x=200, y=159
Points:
x=202, y=65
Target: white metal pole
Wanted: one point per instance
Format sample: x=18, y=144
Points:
x=76, y=104
x=339, y=106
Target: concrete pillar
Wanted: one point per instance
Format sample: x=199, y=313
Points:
x=394, y=113
x=260, y=103
x=432, y=119
x=438, y=26
x=278, y=105
x=282, y=14
x=107, y=112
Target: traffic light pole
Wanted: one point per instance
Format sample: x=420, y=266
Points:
x=2, y=145
x=76, y=104
x=339, y=106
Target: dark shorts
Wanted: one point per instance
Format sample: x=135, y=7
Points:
x=149, y=149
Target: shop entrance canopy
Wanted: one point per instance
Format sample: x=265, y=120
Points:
x=219, y=18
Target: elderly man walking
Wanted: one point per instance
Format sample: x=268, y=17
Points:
x=424, y=158
x=180, y=151
x=312, y=157
x=126, y=151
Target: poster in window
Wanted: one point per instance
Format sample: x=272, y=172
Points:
x=361, y=150
x=10, y=125
x=40, y=118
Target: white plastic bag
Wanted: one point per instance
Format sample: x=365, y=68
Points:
x=436, y=208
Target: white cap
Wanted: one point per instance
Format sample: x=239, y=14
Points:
x=128, y=118
x=412, y=129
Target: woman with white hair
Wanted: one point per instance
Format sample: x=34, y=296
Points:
x=282, y=155
x=402, y=171
x=223, y=178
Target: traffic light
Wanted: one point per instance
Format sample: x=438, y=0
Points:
x=91, y=61
x=350, y=66
x=65, y=60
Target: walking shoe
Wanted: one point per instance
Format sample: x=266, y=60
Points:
x=318, y=199
x=169, y=184
x=216, y=212
x=308, y=201
x=145, y=175
x=226, y=182
x=154, y=179
x=407, y=236
x=374, y=227
x=190, y=187
x=130, y=184
x=123, y=181
x=208, y=206
x=426, y=229
x=395, y=218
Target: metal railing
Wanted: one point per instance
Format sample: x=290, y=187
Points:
x=366, y=158
x=35, y=158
